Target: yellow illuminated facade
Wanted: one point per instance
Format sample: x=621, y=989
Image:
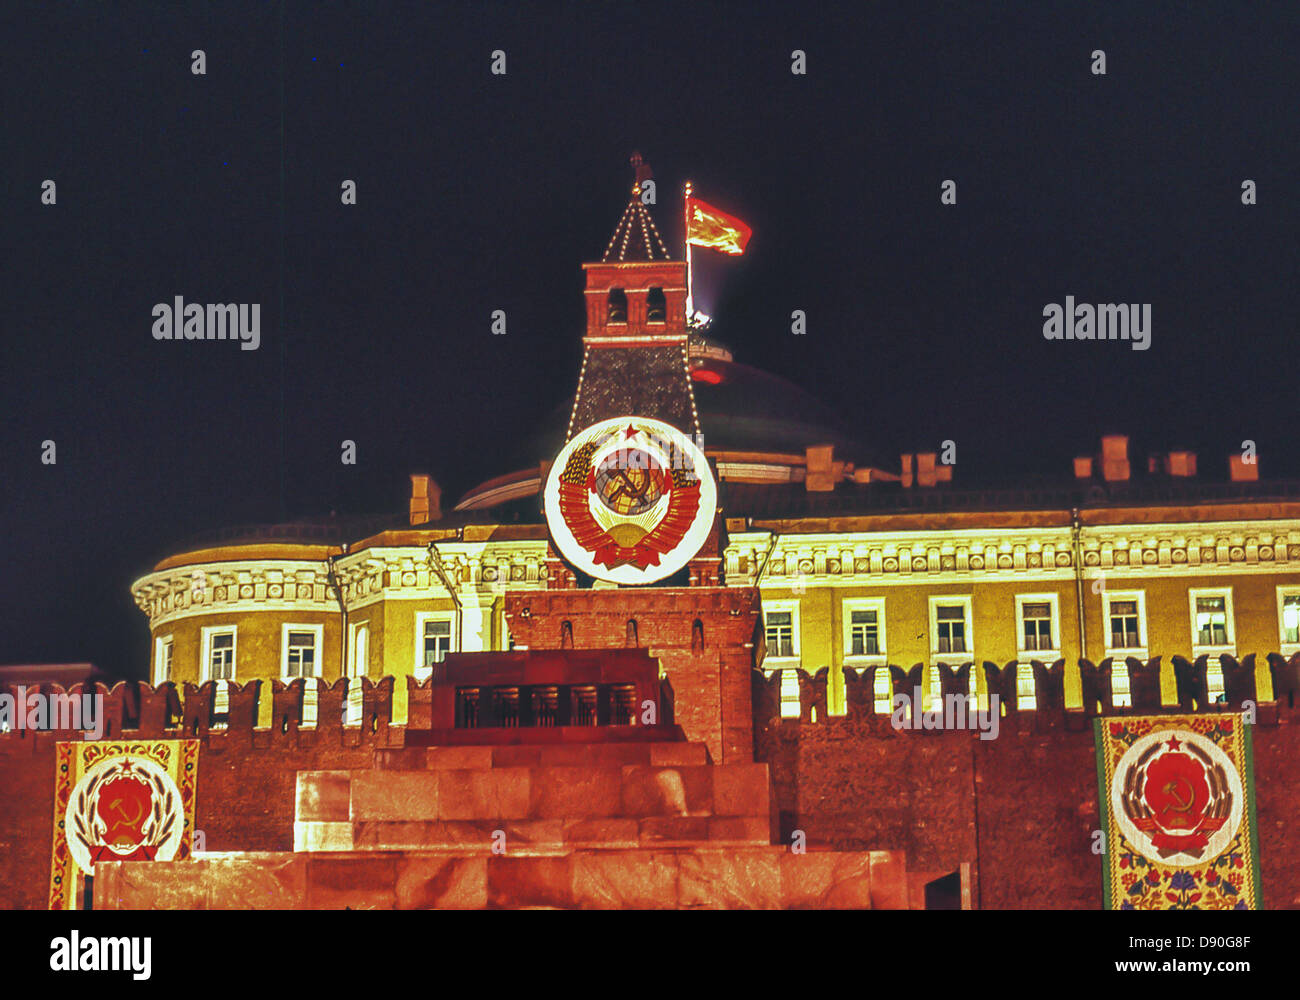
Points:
x=847, y=592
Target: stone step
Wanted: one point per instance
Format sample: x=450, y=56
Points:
x=641, y=878
x=443, y=758
x=334, y=798
x=539, y=837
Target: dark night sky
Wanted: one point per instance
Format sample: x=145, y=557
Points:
x=479, y=192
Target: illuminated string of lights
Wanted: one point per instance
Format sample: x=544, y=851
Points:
x=582, y=371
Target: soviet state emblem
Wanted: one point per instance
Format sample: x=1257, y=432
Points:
x=124, y=809
x=630, y=500
x=1177, y=797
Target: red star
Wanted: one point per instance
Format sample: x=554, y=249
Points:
x=631, y=431
x=126, y=765
x=1174, y=744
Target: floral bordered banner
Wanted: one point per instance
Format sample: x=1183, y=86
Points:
x=1178, y=796
x=127, y=801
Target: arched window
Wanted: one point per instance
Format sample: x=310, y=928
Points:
x=631, y=634
x=656, y=307
x=617, y=306
x=566, y=635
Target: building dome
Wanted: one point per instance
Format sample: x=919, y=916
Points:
x=757, y=427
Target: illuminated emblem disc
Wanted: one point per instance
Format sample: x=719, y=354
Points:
x=124, y=809
x=630, y=500
x=1177, y=797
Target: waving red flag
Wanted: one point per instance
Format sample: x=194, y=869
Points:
x=709, y=227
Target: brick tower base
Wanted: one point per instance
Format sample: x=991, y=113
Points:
x=703, y=637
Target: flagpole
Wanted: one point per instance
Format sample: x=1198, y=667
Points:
x=686, y=236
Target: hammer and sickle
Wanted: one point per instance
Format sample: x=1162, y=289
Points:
x=128, y=821
x=1182, y=805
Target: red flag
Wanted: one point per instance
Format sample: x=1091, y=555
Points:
x=708, y=227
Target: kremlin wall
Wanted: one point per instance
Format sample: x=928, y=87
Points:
x=377, y=699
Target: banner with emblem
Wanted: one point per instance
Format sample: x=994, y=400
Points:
x=123, y=801
x=1177, y=795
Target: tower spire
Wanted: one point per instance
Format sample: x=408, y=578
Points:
x=636, y=237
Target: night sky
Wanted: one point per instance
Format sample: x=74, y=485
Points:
x=479, y=192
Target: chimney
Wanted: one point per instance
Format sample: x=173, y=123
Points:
x=820, y=477
x=925, y=474
x=1241, y=471
x=907, y=470
x=426, y=499
x=1114, y=458
x=1182, y=463
x=1083, y=467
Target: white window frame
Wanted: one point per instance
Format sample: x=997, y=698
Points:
x=164, y=658
x=1120, y=683
x=969, y=628
x=421, y=617
x=1230, y=625
x=1285, y=647
x=973, y=686
x=221, y=701
x=1053, y=601
x=785, y=665
x=318, y=638
x=1213, y=668
x=1122, y=653
x=358, y=666
x=208, y=633
x=793, y=608
x=876, y=604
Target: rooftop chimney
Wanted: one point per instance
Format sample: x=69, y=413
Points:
x=1182, y=463
x=1241, y=471
x=1114, y=458
x=426, y=499
x=1083, y=467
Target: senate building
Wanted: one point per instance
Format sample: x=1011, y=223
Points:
x=658, y=659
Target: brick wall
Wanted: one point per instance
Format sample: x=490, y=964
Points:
x=1021, y=808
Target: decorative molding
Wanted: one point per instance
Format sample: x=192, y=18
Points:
x=947, y=557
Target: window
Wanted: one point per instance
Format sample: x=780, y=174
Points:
x=300, y=656
x=950, y=633
x=656, y=306
x=950, y=625
x=1125, y=623
x=162, y=660
x=1038, y=637
x=1288, y=617
x=300, y=651
x=864, y=629
x=1211, y=620
x=434, y=640
x=218, y=663
x=617, y=306
x=780, y=633
x=1212, y=634
x=1036, y=626
x=359, y=654
x=219, y=654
